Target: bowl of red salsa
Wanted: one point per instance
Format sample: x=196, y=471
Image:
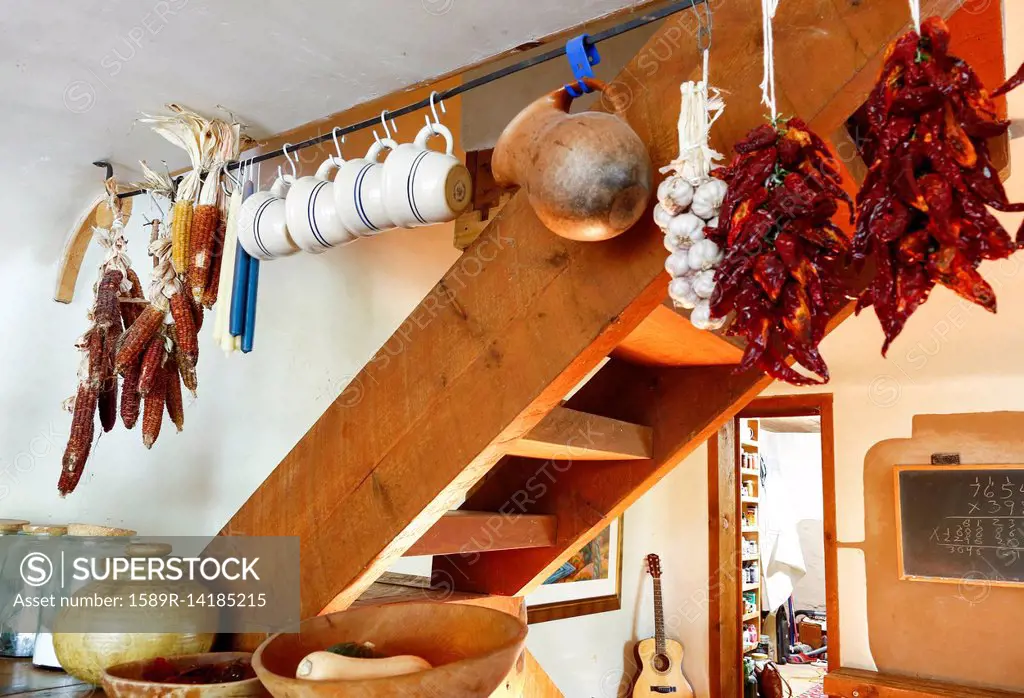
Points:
x=211, y=675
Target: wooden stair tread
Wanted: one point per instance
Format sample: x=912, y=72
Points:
x=667, y=338
x=567, y=434
x=466, y=532
x=857, y=683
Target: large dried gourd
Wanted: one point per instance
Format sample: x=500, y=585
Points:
x=136, y=338
x=181, y=234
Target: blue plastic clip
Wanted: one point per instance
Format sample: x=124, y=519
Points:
x=582, y=55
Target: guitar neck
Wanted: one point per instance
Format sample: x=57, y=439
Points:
x=659, y=618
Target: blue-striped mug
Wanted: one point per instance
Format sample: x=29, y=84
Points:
x=423, y=186
x=358, y=199
x=313, y=219
x=262, y=226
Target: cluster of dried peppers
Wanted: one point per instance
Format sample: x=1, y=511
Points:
x=784, y=255
x=921, y=214
x=154, y=345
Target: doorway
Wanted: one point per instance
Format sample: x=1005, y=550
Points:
x=773, y=585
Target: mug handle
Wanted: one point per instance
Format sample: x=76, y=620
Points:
x=378, y=147
x=330, y=164
x=281, y=185
x=435, y=130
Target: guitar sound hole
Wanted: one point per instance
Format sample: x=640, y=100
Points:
x=660, y=663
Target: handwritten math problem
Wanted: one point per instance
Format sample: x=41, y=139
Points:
x=961, y=522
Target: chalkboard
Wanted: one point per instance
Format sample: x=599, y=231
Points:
x=961, y=523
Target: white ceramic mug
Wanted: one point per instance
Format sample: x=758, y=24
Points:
x=423, y=186
x=313, y=221
x=262, y=224
x=358, y=199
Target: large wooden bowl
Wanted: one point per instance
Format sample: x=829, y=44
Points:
x=472, y=649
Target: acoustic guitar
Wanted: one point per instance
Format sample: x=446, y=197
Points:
x=661, y=659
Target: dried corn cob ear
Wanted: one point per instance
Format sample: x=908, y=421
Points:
x=130, y=311
x=186, y=336
x=80, y=442
x=213, y=281
x=94, y=352
x=153, y=409
x=152, y=362
x=108, y=405
x=181, y=231
x=131, y=399
x=204, y=230
x=136, y=338
x=186, y=368
x=175, y=405
x=106, y=312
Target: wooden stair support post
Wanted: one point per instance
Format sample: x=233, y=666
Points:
x=467, y=532
x=525, y=315
x=571, y=435
x=726, y=627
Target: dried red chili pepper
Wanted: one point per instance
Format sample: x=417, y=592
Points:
x=921, y=212
x=780, y=273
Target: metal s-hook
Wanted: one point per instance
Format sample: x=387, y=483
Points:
x=433, y=110
x=384, y=121
x=288, y=157
x=705, y=25
x=108, y=166
x=337, y=146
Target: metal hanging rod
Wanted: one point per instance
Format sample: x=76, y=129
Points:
x=611, y=32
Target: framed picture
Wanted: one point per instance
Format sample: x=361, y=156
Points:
x=590, y=582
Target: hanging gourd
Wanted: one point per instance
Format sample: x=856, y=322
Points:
x=783, y=254
x=690, y=198
x=921, y=214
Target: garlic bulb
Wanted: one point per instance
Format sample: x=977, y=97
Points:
x=686, y=228
x=675, y=194
x=704, y=254
x=661, y=216
x=704, y=283
x=701, y=317
x=707, y=200
x=677, y=263
x=681, y=293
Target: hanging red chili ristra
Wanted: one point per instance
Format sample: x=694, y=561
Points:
x=921, y=213
x=780, y=274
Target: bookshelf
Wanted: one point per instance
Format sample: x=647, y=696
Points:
x=749, y=483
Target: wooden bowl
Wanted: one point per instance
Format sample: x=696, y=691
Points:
x=472, y=649
x=125, y=680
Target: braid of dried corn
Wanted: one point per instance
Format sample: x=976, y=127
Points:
x=181, y=233
x=136, y=338
x=186, y=336
x=175, y=405
x=83, y=426
x=131, y=398
x=106, y=308
x=153, y=408
x=152, y=361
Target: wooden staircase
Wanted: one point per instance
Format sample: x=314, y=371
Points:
x=466, y=404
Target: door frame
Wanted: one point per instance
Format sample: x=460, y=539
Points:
x=724, y=617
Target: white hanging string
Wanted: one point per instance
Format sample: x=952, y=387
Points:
x=768, y=8
x=915, y=12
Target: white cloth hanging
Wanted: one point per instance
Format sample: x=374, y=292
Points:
x=782, y=559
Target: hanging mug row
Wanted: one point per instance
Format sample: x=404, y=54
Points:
x=413, y=187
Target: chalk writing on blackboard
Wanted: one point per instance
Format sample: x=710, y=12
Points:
x=961, y=523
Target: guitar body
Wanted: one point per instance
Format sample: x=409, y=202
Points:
x=661, y=674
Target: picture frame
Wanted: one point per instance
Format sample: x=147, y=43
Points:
x=565, y=597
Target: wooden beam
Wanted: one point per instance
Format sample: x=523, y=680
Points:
x=467, y=532
x=855, y=683
x=724, y=552
x=667, y=338
x=572, y=435
x=519, y=321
